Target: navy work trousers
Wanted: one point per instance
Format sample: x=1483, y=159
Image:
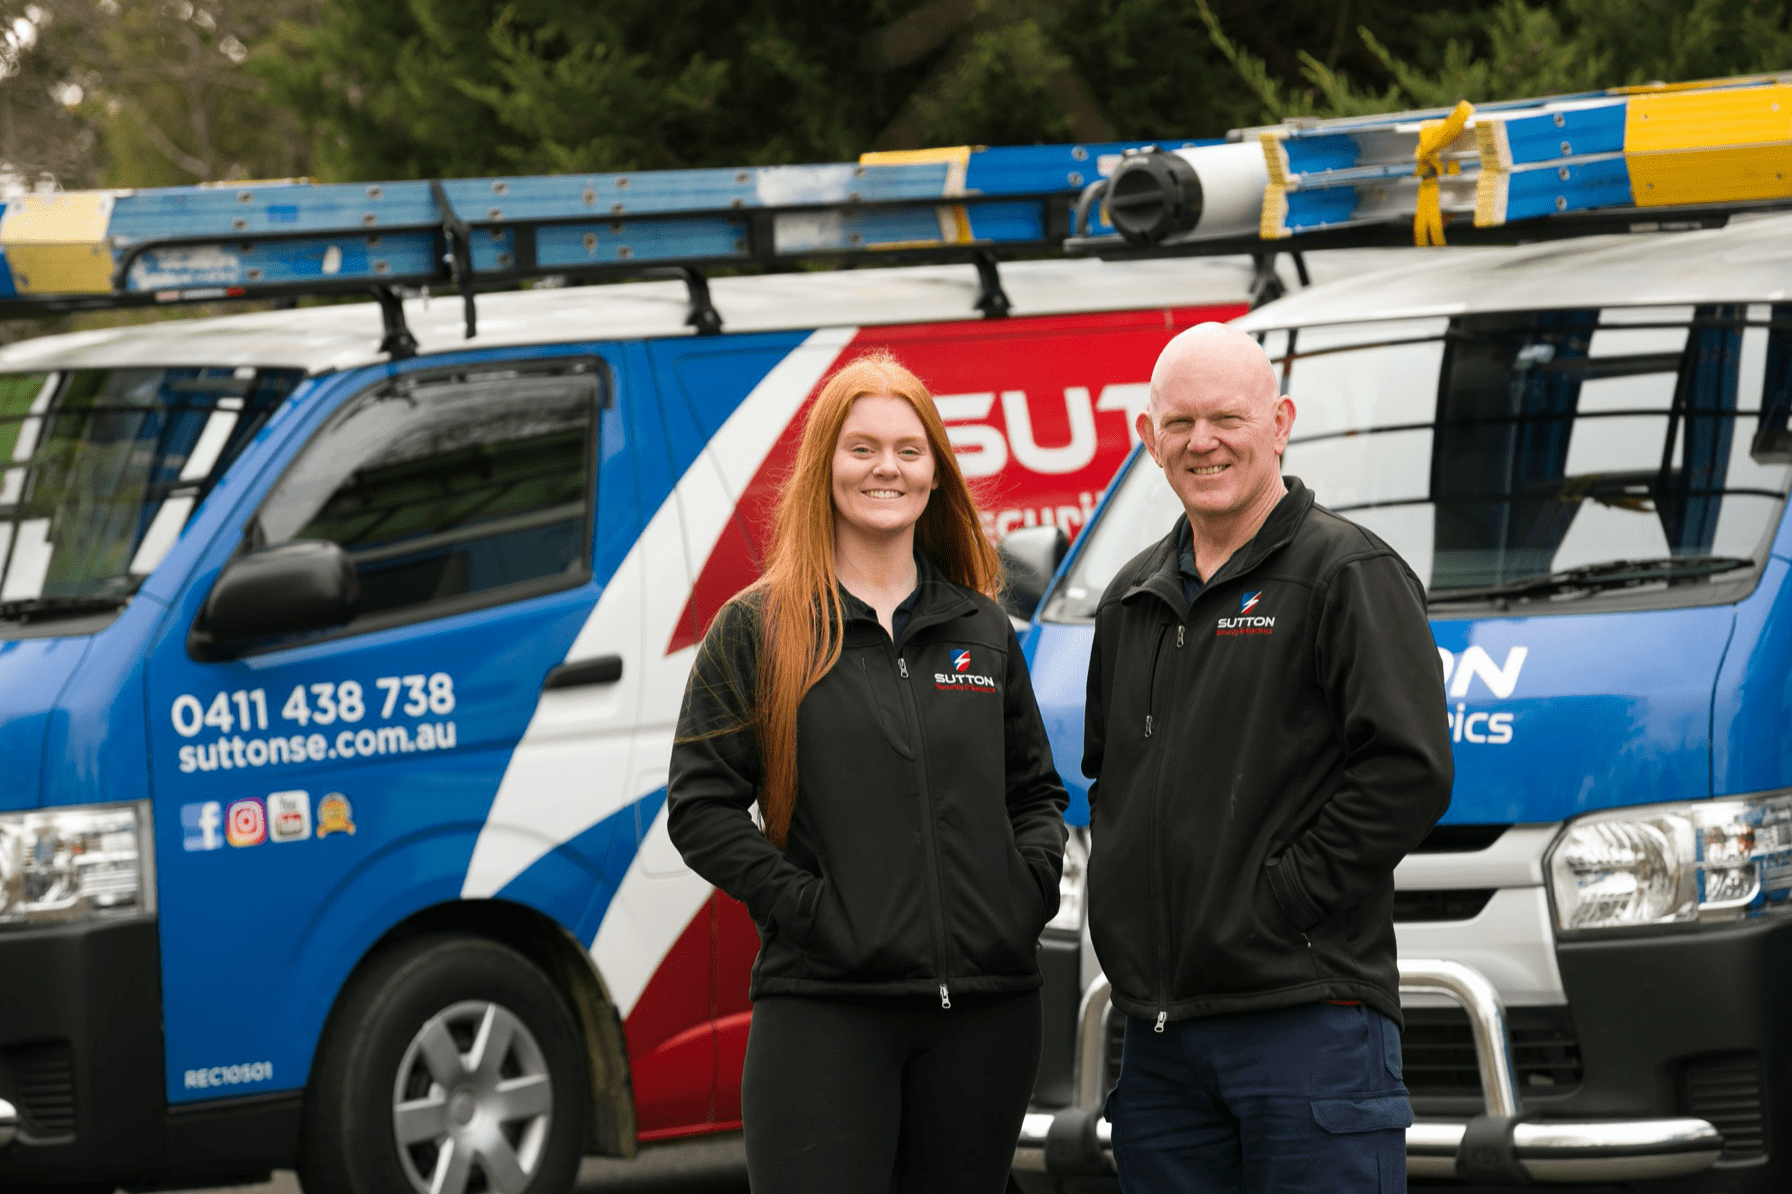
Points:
x=1304, y=1098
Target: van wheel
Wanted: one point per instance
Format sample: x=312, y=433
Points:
x=452, y=1067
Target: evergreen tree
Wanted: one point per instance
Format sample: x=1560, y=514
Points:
x=147, y=92
x=464, y=87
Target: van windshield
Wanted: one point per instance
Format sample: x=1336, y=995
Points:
x=101, y=468
x=1542, y=454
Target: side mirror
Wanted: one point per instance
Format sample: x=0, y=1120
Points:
x=289, y=589
x=1030, y=557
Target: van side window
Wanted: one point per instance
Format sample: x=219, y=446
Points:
x=450, y=489
x=1773, y=438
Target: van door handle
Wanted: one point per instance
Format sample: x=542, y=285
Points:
x=605, y=669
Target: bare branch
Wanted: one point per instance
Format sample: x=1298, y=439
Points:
x=167, y=148
x=918, y=33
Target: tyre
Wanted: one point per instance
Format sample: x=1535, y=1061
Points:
x=453, y=1066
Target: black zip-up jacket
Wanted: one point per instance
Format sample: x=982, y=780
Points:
x=928, y=836
x=1262, y=760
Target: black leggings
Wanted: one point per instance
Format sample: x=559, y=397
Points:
x=855, y=1098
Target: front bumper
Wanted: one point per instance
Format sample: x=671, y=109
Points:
x=1497, y=1147
x=81, y=1050
x=81, y=1072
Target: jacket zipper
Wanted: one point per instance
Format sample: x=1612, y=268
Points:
x=936, y=891
x=1151, y=684
x=1159, y=898
x=1161, y=1015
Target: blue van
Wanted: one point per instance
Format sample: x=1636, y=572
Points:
x=1584, y=449
x=337, y=690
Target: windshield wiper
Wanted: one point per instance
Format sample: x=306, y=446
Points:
x=1608, y=574
x=44, y=609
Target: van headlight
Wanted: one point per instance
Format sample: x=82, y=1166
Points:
x=1071, y=883
x=73, y=864
x=1666, y=864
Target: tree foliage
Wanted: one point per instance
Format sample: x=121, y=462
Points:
x=143, y=92
x=1517, y=49
x=146, y=92
x=448, y=87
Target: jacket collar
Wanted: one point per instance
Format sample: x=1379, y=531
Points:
x=1162, y=577
x=937, y=599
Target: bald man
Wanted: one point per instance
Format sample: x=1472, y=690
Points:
x=1266, y=738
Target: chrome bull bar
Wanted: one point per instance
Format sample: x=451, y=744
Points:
x=1498, y=1147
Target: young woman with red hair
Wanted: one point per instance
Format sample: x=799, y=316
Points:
x=869, y=697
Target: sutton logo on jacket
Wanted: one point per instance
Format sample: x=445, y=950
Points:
x=961, y=678
x=1247, y=622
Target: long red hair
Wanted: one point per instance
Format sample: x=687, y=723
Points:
x=802, y=616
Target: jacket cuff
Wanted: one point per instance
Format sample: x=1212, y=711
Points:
x=1296, y=905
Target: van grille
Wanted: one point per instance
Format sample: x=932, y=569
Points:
x=1727, y=1092
x=1438, y=1051
x=1457, y=904
x=1460, y=839
x=42, y=1076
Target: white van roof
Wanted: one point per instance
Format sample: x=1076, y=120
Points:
x=321, y=339
x=1749, y=261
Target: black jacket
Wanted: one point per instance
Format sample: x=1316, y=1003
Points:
x=928, y=836
x=1262, y=760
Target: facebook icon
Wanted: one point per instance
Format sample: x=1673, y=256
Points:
x=200, y=824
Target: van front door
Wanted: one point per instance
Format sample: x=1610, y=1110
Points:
x=314, y=790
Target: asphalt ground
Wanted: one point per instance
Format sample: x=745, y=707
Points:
x=698, y=1167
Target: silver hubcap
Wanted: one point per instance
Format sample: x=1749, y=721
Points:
x=473, y=1103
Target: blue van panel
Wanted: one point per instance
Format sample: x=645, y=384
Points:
x=1751, y=748
x=33, y=672
x=1574, y=712
x=1059, y=657
x=1782, y=537
x=1601, y=710
x=626, y=482
x=712, y=376
x=96, y=733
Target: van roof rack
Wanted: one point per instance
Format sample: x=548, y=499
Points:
x=1651, y=158
x=285, y=238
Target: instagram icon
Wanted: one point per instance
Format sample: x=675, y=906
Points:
x=246, y=824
